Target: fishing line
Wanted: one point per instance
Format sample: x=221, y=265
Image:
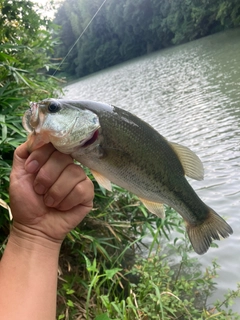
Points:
x=70, y=50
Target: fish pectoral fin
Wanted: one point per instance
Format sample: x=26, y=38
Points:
x=192, y=165
x=102, y=181
x=154, y=207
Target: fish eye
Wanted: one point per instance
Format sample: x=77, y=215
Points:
x=53, y=107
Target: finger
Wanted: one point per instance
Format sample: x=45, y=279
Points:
x=50, y=172
x=82, y=193
x=20, y=156
x=69, y=220
x=38, y=158
x=76, y=215
x=66, y=182
x=22, y=152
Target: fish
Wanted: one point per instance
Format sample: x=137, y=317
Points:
x=119, y=147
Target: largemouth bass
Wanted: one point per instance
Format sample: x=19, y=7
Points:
x=119, y=147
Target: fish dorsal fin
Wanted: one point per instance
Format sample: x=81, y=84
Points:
x=103, y=181
x=192, y=165
x=154, y=207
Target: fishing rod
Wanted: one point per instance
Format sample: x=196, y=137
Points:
x=2, y=202
x=80, y=36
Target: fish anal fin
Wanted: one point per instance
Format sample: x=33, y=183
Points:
x=101, y=180
x=213, y=228
x=156, y=208
x=191, y=163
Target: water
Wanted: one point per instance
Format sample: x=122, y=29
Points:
x=191, y=95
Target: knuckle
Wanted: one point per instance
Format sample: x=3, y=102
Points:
x=86, y=190
x=91, y=187
x=61, y=157
x=77, y=170
x=64, y=207
x=44, y=177
x=55, y=192
x=42, y=154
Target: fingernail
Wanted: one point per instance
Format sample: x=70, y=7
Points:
x=39, y=188
x=49, y=201
x=32, y=166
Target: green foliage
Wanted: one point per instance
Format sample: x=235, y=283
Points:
x=25, y=46
x=105, y=276
x=100, y=276
x=126, y=29
x=96, y=256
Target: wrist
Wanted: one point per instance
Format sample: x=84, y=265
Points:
x=32, y=239
x=28, y=278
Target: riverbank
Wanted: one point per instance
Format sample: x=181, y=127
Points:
x=190, y=94
x=104, y=275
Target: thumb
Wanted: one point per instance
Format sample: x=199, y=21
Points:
x=20, y=156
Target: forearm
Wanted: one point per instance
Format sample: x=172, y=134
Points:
x=28, y=278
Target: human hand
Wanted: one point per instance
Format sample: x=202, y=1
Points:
x=49, y=194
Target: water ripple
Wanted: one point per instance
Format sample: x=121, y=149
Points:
x=191, y=95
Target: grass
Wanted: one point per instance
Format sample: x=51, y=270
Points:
x=105, y=275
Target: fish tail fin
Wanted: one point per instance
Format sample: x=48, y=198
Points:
x=213, y=228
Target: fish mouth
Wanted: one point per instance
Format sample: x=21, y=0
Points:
x=33, y=121
x=90, y=139
x=31, y=118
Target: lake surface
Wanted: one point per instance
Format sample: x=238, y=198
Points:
x=191, y=95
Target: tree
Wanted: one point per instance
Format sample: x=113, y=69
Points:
x=126, y=29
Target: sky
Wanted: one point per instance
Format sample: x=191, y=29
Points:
x=47, y=7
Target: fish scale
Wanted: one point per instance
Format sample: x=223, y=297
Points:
x=121, y=148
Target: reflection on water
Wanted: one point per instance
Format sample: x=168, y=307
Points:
x=191, y=95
